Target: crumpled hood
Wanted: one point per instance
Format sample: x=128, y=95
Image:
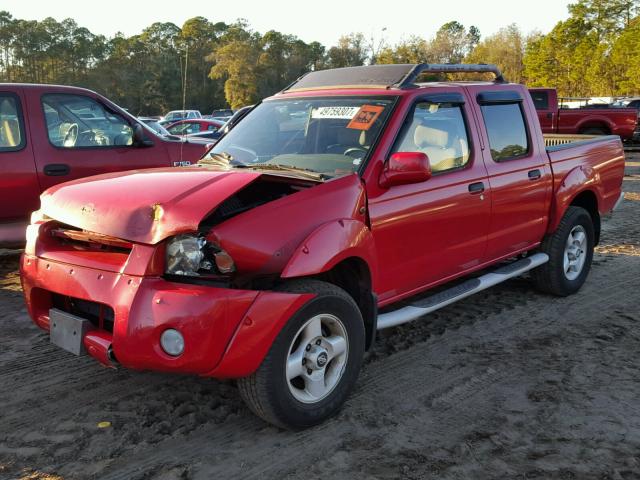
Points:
x=144, y=206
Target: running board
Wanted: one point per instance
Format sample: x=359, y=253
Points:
x=464, y=290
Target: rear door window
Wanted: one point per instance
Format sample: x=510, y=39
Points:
x=507, y=131
x=76, y=121
x=11, y=125
x=540, y=100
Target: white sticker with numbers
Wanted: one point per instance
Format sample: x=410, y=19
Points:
x=344, y=113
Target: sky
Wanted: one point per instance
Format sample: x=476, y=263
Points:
x=319, y=20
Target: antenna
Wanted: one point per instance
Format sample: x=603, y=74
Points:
x=184, y=92
x=184, y=82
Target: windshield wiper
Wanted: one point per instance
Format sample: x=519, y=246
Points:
x=285, y=168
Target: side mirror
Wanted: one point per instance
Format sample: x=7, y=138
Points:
x=139, y=138
x=404, y=168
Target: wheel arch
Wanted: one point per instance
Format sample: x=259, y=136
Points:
x=598, y=122
x=581, y=187
x=341, y=252
x=589, y=201
x=353, y=275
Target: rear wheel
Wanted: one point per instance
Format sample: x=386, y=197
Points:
x=570, y=250
x=314, y=362
x=594, y=131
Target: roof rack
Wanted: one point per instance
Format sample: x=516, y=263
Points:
x=400, y=76
x=421, y=68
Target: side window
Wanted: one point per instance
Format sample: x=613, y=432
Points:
x=76, y=121
x=507, y=131
x=540, y=100
x=11, y=125
x=184, y=128
x=437, y=129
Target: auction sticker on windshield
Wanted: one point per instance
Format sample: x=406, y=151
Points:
x=344, y=113
x=365, y=117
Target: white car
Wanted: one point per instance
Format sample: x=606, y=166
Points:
x=175, y=115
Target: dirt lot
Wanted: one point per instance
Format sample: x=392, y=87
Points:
x=507, y=384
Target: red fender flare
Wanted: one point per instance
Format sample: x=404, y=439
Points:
x=328, y=245
x=577, y=181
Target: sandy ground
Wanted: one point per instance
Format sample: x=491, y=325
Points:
x=507, y=384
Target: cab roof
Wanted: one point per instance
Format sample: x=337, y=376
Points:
x=387, y=77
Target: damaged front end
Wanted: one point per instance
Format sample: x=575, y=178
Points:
x=201, y=259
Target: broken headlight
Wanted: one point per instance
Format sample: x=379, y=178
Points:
x=192, y=255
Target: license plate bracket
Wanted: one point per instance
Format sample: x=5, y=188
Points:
x=67, y=331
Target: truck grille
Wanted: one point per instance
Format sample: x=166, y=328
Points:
x=100, y=315
x=84, y=240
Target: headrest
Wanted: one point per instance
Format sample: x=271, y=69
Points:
x=363, y=140
x=7, y=108
x=430, y=137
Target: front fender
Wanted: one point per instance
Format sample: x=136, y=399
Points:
x=578, y=180
x=328, y=245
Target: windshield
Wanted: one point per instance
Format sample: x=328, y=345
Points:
x=327, y=136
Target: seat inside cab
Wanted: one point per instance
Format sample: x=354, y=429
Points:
x=439, y=132
x=9, y=125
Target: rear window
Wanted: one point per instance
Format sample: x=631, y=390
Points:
x=506, y=130
x=540, y=100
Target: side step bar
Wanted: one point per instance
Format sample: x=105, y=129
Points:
x=464, y=290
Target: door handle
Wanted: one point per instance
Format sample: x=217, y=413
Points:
x=534, y=174
x=475, y=188
x=550, y=115
x=56, y=169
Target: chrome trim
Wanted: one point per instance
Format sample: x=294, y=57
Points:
x=411, y=312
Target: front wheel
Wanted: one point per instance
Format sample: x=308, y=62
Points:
x=570, y=250
x=313, y=363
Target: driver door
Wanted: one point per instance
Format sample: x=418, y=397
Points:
x=78, y=136
x=429, y=232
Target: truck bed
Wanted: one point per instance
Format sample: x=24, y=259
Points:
x=593, y=159
x=552, y=140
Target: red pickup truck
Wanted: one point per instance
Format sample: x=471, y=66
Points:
x=588, y=121
x=328, y=213
x=50, y=134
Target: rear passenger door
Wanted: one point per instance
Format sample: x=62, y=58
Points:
x=427, y=232
x=518, y=167
x=19, y=190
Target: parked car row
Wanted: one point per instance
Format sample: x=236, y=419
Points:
x=321, y=215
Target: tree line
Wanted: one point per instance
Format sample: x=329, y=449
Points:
x=596, y=51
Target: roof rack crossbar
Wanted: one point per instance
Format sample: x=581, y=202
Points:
x=421, y=68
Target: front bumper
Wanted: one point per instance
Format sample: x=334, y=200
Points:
x=227, y=332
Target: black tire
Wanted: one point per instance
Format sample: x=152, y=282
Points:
x=267, y=393
x=594, y=131
x=551, y=277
